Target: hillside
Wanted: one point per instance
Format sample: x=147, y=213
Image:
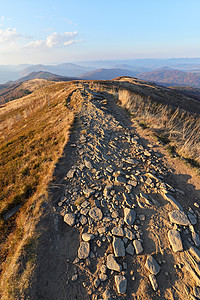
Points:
x=92, y=200
x=106, y=74
x=18, y=88
x=14, y=91
x=172, y=77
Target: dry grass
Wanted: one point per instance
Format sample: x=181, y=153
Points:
x=178, y=128
x=34, y=132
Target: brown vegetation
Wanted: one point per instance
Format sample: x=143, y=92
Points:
x=34, y=130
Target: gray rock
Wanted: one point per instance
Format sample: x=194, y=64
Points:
x=128, y=234
x=83, y=250
x=83, y=220
x=120, y=179
x=152, y=265
x=173, y=201
x=175, y=240
x=86, y=237
x=70, y=219
x=84, y=211
x=138, y=246
x=192, y=218
x=130, y=249
x=121, y=284
x=118, y=231
x=112, y=264
x=118, y=247
x=196, y=239
x=153, y=281
x=179, y=217
x=129, y=216
x=95, y=213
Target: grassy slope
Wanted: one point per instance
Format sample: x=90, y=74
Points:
x=34, y=130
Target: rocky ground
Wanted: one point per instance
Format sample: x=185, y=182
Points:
x=121, y=227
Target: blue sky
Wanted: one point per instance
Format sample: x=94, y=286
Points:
x=50, y=31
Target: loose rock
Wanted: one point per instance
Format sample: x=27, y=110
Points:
x=152, y=265
x=95, y=213
x=138, y=246
x=84, y=250
x=121, y=284
x=129, y=216
x=112, y=264
x=175, y=240
x=70, y=219
x=118, y=247
x=179, y=217
x=153, y=281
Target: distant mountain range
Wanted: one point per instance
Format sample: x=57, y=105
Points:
x=172, y=78
x=107, y=74
x=78, y=69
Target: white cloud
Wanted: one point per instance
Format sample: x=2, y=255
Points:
x=55, y=40
x=9, y=35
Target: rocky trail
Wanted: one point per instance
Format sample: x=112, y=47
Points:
x=118, y=225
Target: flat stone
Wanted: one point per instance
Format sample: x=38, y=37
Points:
x=86, y=237
x=132, y=183
x=112, y=264
x=172, y=200
x=128, y=234
x=83, y=220
x=95, y=213
x=196, y=239
x=118, y=231
x=179, y=217
x=118, y=247
x=120, y=179
x=129, y=216
x=70, y=219
x=175, y=240
x=152, y=265
x=153, y=281
x=192, y=218
x=138, y=246
x=83, y=250
x=130, y=249
x=121, y=283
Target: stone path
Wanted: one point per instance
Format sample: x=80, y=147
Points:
x=118, y=198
